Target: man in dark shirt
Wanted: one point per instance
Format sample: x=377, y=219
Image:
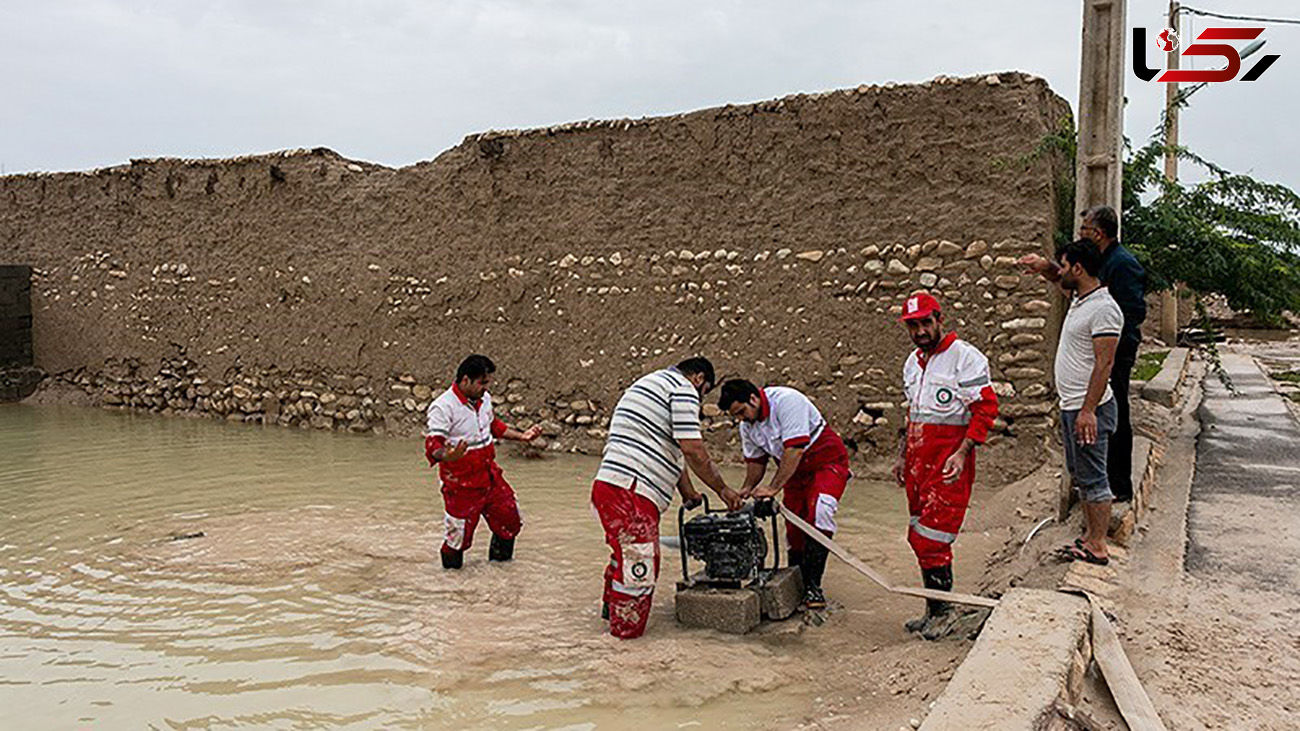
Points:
x=1126, y=279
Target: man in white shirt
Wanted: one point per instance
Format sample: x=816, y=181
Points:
x=1084, y=356
x=812, y=467
x=653, y=433
x=460, y=440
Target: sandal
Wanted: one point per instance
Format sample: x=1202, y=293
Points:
x=1080, y=553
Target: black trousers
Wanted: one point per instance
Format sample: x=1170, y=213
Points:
x=1119, y=459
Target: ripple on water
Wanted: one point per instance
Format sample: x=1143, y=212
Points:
x=157, y=570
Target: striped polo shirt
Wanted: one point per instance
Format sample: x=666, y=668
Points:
x=642, y=450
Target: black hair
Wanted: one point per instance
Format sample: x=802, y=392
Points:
x=475, y=366
x=1104, y=218
x=698, y=364
x=737, y=390
x=1083, y=252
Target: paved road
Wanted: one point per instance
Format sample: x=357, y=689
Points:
x=1243, y=523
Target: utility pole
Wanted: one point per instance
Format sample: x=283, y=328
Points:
x=1100, y=169
x=1169, y=297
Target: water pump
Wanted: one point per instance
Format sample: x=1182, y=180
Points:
x=732, y=545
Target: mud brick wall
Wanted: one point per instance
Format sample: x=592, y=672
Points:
x=777, y=238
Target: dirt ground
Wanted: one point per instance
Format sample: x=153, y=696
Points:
x=1215, y=649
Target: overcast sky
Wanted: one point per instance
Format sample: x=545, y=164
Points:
x=90, y=83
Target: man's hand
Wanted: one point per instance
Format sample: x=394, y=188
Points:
x=454, y=452
x=763, y=493
x=1035, y=264
x=953, y=466
x=531, y=433
x=731, y=498
x=691, y=498
x=900, y=470
x=765, y=508
x=1085, y=427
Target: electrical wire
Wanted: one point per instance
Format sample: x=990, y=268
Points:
x=1222, y=16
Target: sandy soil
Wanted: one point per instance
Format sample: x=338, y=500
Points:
x=1214, y=650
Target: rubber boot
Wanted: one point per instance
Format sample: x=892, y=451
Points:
x=813, y=565
x=930, y=579
x=794, y=558
x=501, y=549
x=452, y=559
x=940, y=612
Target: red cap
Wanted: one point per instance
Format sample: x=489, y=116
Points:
x=921, y=304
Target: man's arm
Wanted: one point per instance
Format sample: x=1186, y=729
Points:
x=527, y=435
x=1035, y=264
x=690, y=496
x=754, y=471
x=900, y=461
x=697, y=457
x=1103, y=350
x=975, y=389
x=790, y=457
x=437, y=450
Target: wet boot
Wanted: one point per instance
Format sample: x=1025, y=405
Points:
x=930, y=579
x=812, y=565
x=501, y=549
x=941, y=613
x=452, y=559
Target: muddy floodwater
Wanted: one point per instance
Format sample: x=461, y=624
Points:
x=172, y=573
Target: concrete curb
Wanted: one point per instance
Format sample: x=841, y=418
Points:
x=1163, y=389
x=1032, y=653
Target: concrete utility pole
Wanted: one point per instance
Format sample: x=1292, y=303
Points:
x=1099, y=166
x=1169, y=298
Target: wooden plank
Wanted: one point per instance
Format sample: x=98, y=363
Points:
x=1134, y=704
x=875, y=576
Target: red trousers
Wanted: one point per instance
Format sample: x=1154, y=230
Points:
x=814, y=495
x=463, y=505
x=631, y=524
x=936, y=508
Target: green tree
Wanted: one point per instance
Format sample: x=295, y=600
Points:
x=1230, y=234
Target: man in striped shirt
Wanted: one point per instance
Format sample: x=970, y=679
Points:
x=654, y=429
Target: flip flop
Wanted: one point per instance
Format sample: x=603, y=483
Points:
x=1079, y=553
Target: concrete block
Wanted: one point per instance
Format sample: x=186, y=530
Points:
x=726, y=610
x=1163, y=388
x=781, y=594
x=1020, y=665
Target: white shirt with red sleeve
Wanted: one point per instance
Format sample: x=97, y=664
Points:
x=949, y=391
x=786, y=420
x=452, y=418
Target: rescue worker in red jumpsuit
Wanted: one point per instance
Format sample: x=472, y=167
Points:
x=951, y=406
x=782, y=424
x=460, y=440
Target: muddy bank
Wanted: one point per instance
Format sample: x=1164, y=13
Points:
x=777, y=238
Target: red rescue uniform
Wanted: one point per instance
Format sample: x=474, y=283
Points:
x=950, y=398
x=472, y=486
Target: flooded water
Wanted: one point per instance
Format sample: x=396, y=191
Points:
x=312, y=596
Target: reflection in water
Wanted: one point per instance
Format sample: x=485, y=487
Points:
x=188, y=574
